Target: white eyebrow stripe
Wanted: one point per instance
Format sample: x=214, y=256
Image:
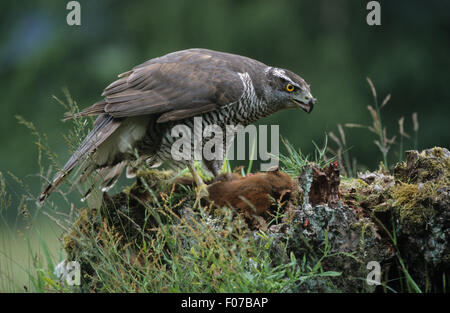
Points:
x=280, y=73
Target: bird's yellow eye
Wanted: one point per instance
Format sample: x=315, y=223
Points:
x=290, y=87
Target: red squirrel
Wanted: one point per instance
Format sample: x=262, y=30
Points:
x=252, y=193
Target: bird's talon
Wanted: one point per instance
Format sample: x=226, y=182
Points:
x=201, y=192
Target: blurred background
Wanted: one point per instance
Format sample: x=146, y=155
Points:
x=327, y=42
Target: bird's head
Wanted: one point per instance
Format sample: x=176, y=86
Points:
x=288, y=90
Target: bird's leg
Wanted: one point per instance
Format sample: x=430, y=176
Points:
x=215, y=166
x=201, y=187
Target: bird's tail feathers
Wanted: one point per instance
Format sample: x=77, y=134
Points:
x=60, y=176
x=104, y=126
x=106, y=177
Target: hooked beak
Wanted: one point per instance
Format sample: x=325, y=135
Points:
x=305, y=103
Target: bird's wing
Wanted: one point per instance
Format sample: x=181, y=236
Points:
x=176, y=86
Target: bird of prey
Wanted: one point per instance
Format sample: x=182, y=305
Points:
x=140, y=108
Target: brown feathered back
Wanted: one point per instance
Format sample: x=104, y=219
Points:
x=178, y=85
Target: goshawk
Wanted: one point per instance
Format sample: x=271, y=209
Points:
x=140, y=108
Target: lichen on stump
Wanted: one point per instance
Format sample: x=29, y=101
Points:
x=422, y=205
x=356, y=220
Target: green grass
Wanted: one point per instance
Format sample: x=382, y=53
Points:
x=186, y=250
x=177, y=248
x=28, y=254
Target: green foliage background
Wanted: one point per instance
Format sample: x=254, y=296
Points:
x=326, y=42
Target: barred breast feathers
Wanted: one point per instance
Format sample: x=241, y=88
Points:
x=245, y=108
